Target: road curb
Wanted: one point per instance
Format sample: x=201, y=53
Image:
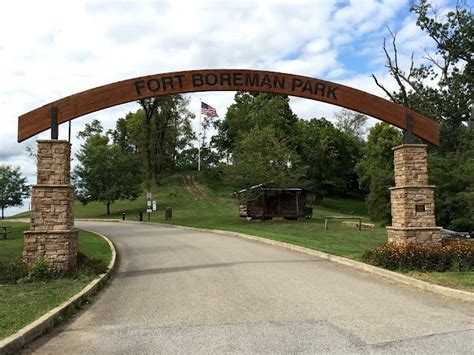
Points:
x=404, y=279
x=18, y=340
x=112, y=220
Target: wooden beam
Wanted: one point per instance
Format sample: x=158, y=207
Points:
x=80, y=104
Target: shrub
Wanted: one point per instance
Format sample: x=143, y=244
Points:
x=40, y=270
x=88, y=266
x=452, y=255
x=13, y=270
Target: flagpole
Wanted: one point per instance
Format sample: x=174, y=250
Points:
x=199, y=136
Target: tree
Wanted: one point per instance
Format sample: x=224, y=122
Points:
x=330, y=155
x=454, y=191
x=442, y=89
x=375, y=170
x=209, y=155
x=263, y=156
x=251, y=110
x=13, y=188
x=157, y=132
x=353, y=123
x=105, y=172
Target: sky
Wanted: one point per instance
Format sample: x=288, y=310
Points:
x=52, y=49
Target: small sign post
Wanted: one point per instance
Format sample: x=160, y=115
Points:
x=149, y=209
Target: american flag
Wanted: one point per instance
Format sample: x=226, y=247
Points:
x=208, y=110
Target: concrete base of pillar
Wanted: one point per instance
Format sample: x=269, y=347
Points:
x=414, y=234
x=59, y=248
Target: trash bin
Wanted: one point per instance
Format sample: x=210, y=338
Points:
x=123, y=216
x=168, y=213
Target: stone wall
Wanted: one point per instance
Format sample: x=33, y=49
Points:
x=412, y=199
x=52, y=234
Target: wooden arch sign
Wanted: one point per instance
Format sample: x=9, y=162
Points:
x=71, y=107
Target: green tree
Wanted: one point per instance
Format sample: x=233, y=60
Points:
x=263, y=156
x=375, y=170
x=454, y=191
x=13, y=188
x=157, y=132
x=330, y=155
x=251, y=110
x=353, y=123
x=443, y=91
x=105, y=172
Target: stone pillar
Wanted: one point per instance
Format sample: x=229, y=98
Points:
x=52, y=234
x=412, y=199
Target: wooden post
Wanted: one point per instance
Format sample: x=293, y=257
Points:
x=297, y=206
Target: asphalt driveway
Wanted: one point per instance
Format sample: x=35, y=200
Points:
x=180, y=291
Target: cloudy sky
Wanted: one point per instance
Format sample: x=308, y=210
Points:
x=52, y=49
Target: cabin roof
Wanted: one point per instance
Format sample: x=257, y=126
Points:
x=263, y=187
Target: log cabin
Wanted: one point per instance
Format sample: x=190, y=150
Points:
x=269, y=203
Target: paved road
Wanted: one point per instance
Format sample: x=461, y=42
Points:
x=179, y=291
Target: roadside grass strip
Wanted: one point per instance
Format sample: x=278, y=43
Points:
x=22, y=303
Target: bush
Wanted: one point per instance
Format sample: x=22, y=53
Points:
x=89, y=267
x=13, y=270
x=40, y=271
x=452, y=255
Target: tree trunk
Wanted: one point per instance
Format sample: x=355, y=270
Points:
x=3, y=208
x=108, y=208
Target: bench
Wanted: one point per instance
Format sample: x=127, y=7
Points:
x=5, y=231
x=327, y=218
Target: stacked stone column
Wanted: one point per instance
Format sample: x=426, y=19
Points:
x=412, y=199
x=52, y=234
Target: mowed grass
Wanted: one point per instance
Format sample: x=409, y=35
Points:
x=22, y=303
x=197, y=204
x=197, y=201
x=460, y=280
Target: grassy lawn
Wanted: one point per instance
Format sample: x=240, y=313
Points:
x=23, y=303
x=214, y=208
x=199, y=202
x=460, y=280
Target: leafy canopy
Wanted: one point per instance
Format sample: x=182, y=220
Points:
x=263, y=156
x=13, y=188
x=105, y=172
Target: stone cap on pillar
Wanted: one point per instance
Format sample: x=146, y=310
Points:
x=413, y=187
x=410, y=146
x=435, y=228
x=53, y=141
